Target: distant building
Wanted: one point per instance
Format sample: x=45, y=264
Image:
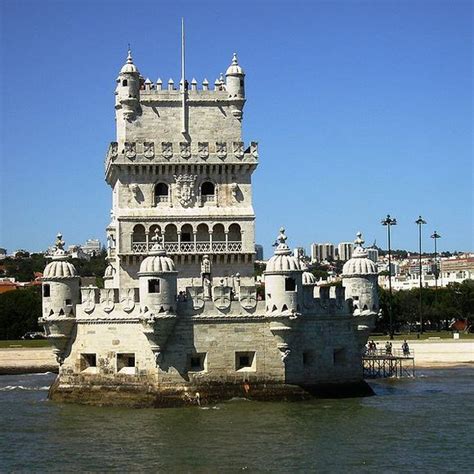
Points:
x=92, y=247
x=299, y=252
x=321, y=252
x=76, y=251
x=258, y=252
x=344, y=250
x=458, y=264
x=3, y=253
x=373, y=254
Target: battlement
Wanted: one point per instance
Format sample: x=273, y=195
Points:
x=217, y=90
x=149, y=152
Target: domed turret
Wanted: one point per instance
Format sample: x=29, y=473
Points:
x=128, y=89
x=359, y=277
x=235, y=85
x=283, y=279
x=158, y=280
x=61, y=293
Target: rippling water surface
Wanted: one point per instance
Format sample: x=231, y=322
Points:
x=422, y=424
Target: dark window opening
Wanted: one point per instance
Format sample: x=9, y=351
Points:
x=197, y=362
x=290, y=284
x=306, y=358
x=125, y=361
x=207, y=188
x=88, y=360
x=153, y=286
x=124, y=82
x=68, y=302
x=241, y=83
x=161, y=189
x=46, y=291
x=244, y=360
x=339, y=356
x=186, y=237
x=284, y=308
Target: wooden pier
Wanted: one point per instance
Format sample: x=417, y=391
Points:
x=378, y=363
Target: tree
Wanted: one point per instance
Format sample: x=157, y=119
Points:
x=19, y=312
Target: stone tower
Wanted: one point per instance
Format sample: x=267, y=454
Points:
x=179, y=166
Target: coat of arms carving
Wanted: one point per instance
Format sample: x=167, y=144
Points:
x=196, y=294
x=167, y=149
x=248, y=297
x=107, y=299
x=88, y=299
x=149, y=150
x=127, y=299
x=185, y=149
x=239, y=149
x=221, y=149
x=203, y=150
x=185, y=188
x=222, y=297
x=130, y=150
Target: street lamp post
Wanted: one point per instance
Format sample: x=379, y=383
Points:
x=435, y=237
x=389, y=221
x=420, y=222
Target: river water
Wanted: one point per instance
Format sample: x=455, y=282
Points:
x=411, y=425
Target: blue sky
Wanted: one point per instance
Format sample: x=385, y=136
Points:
x=360, y=109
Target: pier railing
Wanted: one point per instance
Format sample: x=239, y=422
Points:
x=390, y=353
x=388, y=363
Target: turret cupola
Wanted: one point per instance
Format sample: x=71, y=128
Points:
x=235, y=79
x=359, y=277
x=360, y=263
x=61, y=294
x=128, y=89
x=283, y=279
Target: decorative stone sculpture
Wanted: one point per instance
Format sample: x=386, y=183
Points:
x=185, y=188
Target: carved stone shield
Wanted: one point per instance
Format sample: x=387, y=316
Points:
x=149, y=150
x=130, y=150
x=88, y=299
x=239, y=149
x=221, y=149
x=197, y=296
x=185, y=188
x=127, y=299
x=107, y=300
x=167, y=149
x=185, y=149
x=248, y=297
x=222, y=297
x=203, y=150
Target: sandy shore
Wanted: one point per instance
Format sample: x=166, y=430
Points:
x=26, y=361
x=428, y=353
x=439, y=353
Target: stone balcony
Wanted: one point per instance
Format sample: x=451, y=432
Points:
x=142, y=248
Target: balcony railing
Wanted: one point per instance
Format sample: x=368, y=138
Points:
x=190, y=247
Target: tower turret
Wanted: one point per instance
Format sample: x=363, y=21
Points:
x=359, y=278
x=283, y=280
x=158, y=280
x=61, y=293
x=235, y=83
x=128, y=89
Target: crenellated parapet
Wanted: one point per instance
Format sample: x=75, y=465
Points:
x=198, y=152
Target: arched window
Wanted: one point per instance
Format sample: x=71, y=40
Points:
x=161, y=193
x=208, y=191
x=139, y=233
x=235, y=234
x=124, y=82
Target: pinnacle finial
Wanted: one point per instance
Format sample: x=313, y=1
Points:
x=129, y=55
x=235, y=62
x=359, y=241
x=59, y=244
x=281, y=236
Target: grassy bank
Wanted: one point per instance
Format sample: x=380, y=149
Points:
x=28, y=343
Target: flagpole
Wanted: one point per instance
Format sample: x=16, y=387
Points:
x=183, y=75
